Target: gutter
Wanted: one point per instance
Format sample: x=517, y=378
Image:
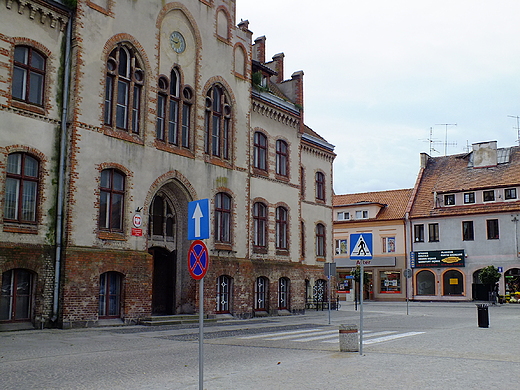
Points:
x=61, y=171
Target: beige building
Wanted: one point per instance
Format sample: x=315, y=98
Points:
x=381, y=214
x=177, y=105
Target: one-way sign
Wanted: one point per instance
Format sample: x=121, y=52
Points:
x=198, y=219
x=361, y=246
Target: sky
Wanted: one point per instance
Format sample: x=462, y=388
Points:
x=380, y=74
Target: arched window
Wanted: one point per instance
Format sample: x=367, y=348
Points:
x=28, y=75
x=320, y=186
x=283, y=294
x=260, y=224
x=260, y=151
x=123, y=90
x=173, y=111
x=217, y=124
x=453, y=283
x=162, y=219
x=16, y=295
x=110, y=295
x=223, y=294
x=282, y=158
x=281, y=228
x=262, y=294
x=21, y=188
x=111, y=202
x=425, y=283
x=320, y=240
x=222, y=229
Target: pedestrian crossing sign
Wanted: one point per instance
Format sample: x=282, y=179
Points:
x=361, y=246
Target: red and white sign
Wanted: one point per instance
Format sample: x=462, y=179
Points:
x=137, y=220
x=137, y=232
x=198, y=259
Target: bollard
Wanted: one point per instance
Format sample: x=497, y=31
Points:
x=483, y=315
x=348, y=338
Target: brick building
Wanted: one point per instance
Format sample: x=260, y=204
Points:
x=176, y=106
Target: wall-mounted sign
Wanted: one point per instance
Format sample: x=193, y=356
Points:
x=431, y=259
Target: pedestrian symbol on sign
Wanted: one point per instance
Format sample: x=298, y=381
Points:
x=361, y=246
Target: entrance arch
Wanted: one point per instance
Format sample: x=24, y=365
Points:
x=173, y=291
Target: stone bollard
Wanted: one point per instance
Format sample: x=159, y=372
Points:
x=348, y=338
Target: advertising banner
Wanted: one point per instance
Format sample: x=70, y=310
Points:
x=444, y=258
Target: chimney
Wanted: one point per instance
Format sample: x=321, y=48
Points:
x=298, y=79
x=424, y=159
x=259, y=52
x=278, y=67
x=485, y=154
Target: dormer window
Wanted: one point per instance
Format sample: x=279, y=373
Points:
x=510, y=193
x=489, y=196
x=449, y=200
x=362, y=214
x=343, y=216
x=469, y=197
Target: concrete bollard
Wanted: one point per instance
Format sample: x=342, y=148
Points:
x=348, y=338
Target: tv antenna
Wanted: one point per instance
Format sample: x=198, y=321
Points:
x=517, y=128
x=431, y=141
x=446, y=143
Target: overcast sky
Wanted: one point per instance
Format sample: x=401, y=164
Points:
x=378, y=74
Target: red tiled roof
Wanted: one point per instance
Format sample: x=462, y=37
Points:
x=395, y=202
x=452, y=174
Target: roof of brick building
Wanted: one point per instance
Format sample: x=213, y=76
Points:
x=394, y=202
x=455, y=173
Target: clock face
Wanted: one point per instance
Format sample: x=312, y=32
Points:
x=177, y=42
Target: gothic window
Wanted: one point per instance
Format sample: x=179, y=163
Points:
x=123, y=90
x=173, y=111
x=28, y=75
x=217, y=124
x=21, y=188
x=162, y=219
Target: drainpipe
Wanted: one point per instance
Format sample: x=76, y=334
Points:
x=61, y=172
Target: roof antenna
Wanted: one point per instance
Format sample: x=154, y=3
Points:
x=446, y=138
x=517, y=128
x=431, y=141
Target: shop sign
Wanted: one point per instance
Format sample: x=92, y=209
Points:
x=374, y=262
x=446, y=258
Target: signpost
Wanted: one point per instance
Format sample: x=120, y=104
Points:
x=361, y=249
x=330, y=270
x=198, y=263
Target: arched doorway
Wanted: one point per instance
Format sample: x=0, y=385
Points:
x=173, y=290
x=512, y=283
x=453, y=283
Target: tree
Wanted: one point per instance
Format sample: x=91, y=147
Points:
x=489, y=275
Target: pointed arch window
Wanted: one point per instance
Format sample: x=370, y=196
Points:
x=162, y=223
x=217, y=123
x=123, y=90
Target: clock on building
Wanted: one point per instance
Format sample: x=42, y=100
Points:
x=177, y=42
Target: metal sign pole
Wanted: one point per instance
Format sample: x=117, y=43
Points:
x=201, y=333
x=361, y=282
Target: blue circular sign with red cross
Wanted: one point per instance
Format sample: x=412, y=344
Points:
x=198, y=259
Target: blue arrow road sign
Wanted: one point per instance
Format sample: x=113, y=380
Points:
x=198, y=219
x=361, y=246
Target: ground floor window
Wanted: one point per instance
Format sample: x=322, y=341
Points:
x=261, y=293
x=425, y=281
x=283, y=294
x=390, y=282
x=16, y=295
x=223, y=294
x=512, y=284
x=110, y=295
x=453, y=283
x=319, y=290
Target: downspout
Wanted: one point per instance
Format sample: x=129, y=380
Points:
x=61, y=172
